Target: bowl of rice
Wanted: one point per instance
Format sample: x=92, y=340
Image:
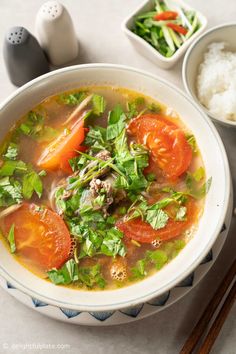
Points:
x=209, y=73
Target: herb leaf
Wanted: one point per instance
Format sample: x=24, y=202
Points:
x=204, y=189
x=139, y=271
x=71, y=273
x=133, y=107
x=96, y=139
x=158, y=257
x=32, y=183
x=191, y=183
x=33, y=124
x=11, y=238
x=10, y=167
x=112, y=244
x=99, y=104
x=66, y=274
x=157, y=218
x=34, y=127
x=10, y=192
x=12, y=152
x=72, y=99
x=91, y=276
x=131, y=163
x=116, y=122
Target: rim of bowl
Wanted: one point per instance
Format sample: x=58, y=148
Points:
x=197, y=260
x=187, y=56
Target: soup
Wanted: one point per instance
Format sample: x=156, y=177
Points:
x=99, y=187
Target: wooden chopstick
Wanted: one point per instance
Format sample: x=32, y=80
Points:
x=219, y=321
x=202, y=324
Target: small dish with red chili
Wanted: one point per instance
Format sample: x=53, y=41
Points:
x=163, y=29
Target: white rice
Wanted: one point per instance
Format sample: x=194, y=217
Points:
x=216, y=82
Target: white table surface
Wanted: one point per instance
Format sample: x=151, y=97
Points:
x=98, y=26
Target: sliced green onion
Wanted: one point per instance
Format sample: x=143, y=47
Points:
x=168, y=38
x=176, y=38
x=194, y=26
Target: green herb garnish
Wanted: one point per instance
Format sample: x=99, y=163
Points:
x=72, y=99
x=11, y=239
x=116, y=122
x=10, y=192
x=65, y=275
x=99, y=104
x=12, y=152
x=72, y=273
x=10, y=167
x=32, y=183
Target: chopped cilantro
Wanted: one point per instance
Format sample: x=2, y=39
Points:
x=139, y=271
x=133, y=107
x=71, y=273
x=112, y=244
x=131, y=163
x=99, y=104
x=153, y=214
x=11, y=238
x=10, y=167
x=10, y=192
x=12, y=152
x=204, y=189
x=25, y=181
x=157, y=218
x=65, y=275
x=158, y=257
x=32, y=183
x=192, y=183
x=33, y=124
x=91, y=276
x=96, y=139
x=72, y=99
x=116, y=122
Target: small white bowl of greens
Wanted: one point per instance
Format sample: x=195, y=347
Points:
x=162, y=30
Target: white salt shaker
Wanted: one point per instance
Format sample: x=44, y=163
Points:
x=56, y=34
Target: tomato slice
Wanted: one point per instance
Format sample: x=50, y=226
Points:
x=41, y=236
x=166, y=15
x=51, y=157
x=170, y=150
x=139, y=230
x=167, y=143
x=177, y=28
x=146, y=123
